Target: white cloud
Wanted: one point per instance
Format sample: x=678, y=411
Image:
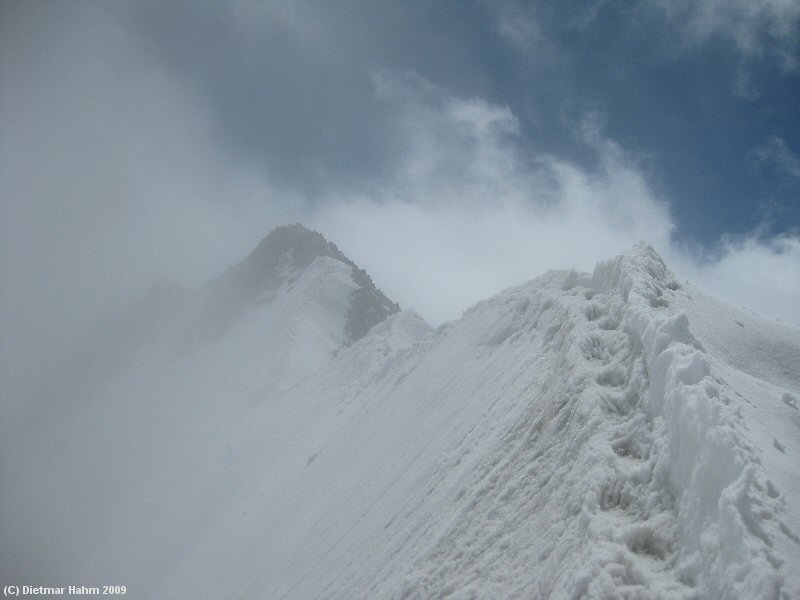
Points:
x=776, y=153
x=760, y=274
x=469, y=213
x=111, y=175
x=755, y=26
x=520, y=26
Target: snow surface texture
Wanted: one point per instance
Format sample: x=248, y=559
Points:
x=614, y=435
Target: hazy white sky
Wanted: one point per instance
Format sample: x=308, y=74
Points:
x=125, y=158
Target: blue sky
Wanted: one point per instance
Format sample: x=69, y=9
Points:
x=451, y=148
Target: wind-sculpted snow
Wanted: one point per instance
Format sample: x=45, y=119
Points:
x=628, y=472
x=728, y=514
x=580, y=436
x=569, y=438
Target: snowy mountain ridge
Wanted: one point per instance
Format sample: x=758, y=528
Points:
x=294, y=302
x=568, y=438
x=578, y=436
x=290, y=305
x=278, y=260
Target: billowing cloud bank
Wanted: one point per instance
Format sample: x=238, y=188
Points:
x=113, y=174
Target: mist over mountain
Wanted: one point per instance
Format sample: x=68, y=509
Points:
x=286, y=431
x=292, y=262
x=280, y=258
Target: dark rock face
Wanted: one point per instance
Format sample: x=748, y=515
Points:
x=368, y=306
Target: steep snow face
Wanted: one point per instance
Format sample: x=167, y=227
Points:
x=580, y=436
x=762, y=348
x=568, y=438
x=288, y=332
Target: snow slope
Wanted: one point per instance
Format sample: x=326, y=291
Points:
x=613, y=435
x=124, y=438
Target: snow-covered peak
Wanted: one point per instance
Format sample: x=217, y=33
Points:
x=285, y=251
x=276, y=263
x=290, y=306
x=277, y=316
x=640, y=269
